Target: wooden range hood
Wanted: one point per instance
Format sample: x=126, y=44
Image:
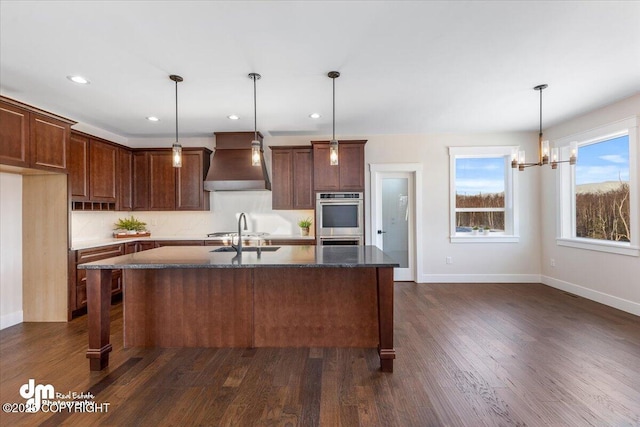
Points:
x=231, y=168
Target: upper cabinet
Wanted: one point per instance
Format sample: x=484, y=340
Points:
x=157, y=185
x=33, y=138
x=348, y=175
x=292, y=177
x=125, y=186
x=93, y=172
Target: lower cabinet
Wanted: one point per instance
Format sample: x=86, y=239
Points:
x=78, y=278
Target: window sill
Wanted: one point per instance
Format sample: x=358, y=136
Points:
x=481, y=238
x=599, y=246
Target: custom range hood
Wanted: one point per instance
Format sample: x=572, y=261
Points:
x=231, y=168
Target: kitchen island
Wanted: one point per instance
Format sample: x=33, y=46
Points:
x=292, y=296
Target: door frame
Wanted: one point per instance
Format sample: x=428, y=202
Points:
x=376, y=170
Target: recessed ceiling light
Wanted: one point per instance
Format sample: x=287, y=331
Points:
x=78, y=79
x=233, y=117
x=153, y=119
x=315, y=115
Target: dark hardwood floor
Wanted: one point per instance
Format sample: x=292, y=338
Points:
x=467, y=355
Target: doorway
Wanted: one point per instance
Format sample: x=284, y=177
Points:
x=395, y=206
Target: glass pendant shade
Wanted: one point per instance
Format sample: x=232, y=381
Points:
x=176, y=155
x=255, y=153
x=333, y=152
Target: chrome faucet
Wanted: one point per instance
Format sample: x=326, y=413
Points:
x=238, y=247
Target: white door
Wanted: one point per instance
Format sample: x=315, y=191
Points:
x=393, y=218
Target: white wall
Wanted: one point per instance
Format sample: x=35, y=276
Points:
x=10, y=249
x=608, y=278
x=472, y=262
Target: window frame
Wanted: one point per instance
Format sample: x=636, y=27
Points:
x=511, y=233
x=566, y=190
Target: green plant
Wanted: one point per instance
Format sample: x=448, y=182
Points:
x=305, y=223
x=130, y=224
x=475, y=227
x=486, y=227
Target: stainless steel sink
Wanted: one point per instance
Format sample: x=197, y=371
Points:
x=248, y=249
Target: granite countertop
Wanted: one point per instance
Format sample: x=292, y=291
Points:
x=96, y=243
x=285, y=256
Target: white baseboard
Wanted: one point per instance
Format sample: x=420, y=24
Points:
x=11, y=319
x=480, y=278
x=601, y=297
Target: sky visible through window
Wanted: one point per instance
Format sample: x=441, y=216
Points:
x=479, y=175
x=603, y=161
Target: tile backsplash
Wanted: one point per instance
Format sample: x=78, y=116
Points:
x=223, y=216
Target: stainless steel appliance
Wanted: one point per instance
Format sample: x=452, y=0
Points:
x=339, y=215
x=341, y=241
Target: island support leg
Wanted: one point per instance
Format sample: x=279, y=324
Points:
x=385, y=318
x=98, y=307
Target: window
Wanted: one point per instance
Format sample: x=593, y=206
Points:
x=597, y=196
x=482, y=194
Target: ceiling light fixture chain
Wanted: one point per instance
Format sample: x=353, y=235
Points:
x=518, y=156
x=333, y=145
x=256, y=145
x=176, y=149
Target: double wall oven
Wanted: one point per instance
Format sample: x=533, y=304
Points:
x=340, y=218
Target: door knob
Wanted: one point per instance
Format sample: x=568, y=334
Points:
x=380, y=231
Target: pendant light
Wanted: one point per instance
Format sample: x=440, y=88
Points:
x=518, y=156
x=256, y=146
x=176, y=149
x=333, y=145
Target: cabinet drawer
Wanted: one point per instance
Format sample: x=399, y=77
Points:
x=96, y=254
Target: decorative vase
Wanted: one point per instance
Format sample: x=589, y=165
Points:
x=486, y=231
x=304, y=231
x=132, y=232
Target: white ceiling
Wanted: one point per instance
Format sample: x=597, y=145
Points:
x=407, y=67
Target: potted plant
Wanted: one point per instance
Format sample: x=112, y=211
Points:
x=486, y=230
x=474, y=229
x=304, y=225
x=131, y=225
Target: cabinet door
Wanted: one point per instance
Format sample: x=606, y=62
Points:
x=125, y=168
x=282, y=178
x=325, y=176
x=140, y=178
x=49, y=142
x=146, y=245
x=162, y=181
x=190, y=194
x=14, y=135
x=303, y=196
x=351, y=167
x=102, y=171
x=79, y=167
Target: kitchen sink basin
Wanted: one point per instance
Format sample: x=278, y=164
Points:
x=248, y=249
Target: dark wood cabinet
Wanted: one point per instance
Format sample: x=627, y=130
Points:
x=157, y=185
x=49, y=145
x=78, y=277
x=125, y=186
x=79, y=167
x=348, y=175
x=162, y=181
x=33, y=138
x=190, y=194
x=140, y=178
x=103, y=167
x=94, y=176
x=292, y=173
x=14, y=135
